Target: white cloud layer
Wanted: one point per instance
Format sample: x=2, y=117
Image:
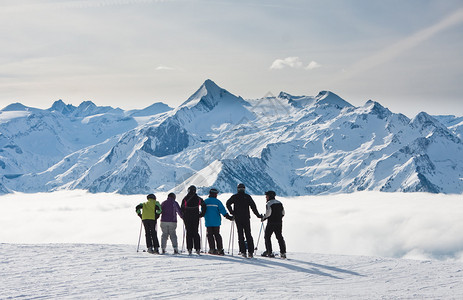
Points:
x=293, y=62
x=417, y=226
x=313, y=65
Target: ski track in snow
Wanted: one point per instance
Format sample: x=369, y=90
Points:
x=93, y=271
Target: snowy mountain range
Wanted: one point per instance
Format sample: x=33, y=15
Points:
x=295, y=145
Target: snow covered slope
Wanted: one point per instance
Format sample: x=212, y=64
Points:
x=295, y=145
x=95, y=271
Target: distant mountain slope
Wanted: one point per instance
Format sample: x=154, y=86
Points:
x=296, y=145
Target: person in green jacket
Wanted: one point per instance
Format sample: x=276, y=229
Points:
x=149, y=212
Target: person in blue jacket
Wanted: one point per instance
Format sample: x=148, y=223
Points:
x=213, y=220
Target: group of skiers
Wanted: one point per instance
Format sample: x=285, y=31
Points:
x=193, y=208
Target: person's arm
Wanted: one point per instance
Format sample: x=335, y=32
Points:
x=254, y=208
x=178, y=210
x=222, y=209
x=229, y=203
x=157, y=210
x=268, y=212
x=203, y=208
x=138, y=209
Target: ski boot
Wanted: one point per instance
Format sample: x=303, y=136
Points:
x=268, y=254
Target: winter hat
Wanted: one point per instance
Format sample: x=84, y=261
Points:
x=171, y=195
x=192, y=189
x=241, y=187
x=270, y=194
x=213, y=191
x=151, y=196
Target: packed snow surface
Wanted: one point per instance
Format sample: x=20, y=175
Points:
x=90, y=271
x=368, y=245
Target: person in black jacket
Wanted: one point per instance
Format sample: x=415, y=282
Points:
x=238, y=206
x=191, y=215
x=274, y=215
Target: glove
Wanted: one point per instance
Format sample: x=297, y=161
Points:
x=231, y=218
x=139, y=215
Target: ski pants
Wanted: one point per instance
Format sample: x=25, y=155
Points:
x=269, y=230
x=151, y=234
x=243, y=229
x=192, y=235
x=169, y=229
x=213, y=237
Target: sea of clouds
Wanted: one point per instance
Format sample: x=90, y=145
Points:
x=413, y=225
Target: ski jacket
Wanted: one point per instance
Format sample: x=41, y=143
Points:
x=150, y=210
x=238, y=205
x=170, y=209
x=215, y=208
x=274, y=212
x=190, y=207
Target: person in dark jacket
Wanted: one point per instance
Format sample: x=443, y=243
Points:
x=170, y=210
x=149, y=212
x=213, y=220
x=191, y=205
x=274, y=215
x=238, y=206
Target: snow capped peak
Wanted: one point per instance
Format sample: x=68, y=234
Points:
x=209, y=95
x=154, y=109
x=424, y=120
x=297, y=101
x=330, y=98
x=16, y=107
x=88, y=108
x=377, y=109
x=62, y=107
x=284, y=95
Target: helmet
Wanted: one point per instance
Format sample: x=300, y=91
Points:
x=213, y=191
x=192, y=189
x=151, y=196
x=270, y=194
x=241, y=186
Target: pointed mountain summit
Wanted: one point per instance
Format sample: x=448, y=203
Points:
x=60, y=106
x=330, y=98
x=16, y=107
x=297, y=101
x=209, y=95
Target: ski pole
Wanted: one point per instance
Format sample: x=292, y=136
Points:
x=258, y=239
x=139, y=236
x=230, y=238
x=233, y=236
x=201, y=234
x=183, y=242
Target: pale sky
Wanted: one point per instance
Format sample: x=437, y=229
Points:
x=405, y=54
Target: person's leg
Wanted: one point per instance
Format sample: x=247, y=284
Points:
x=189, y=235
x=165, y=234
x=279, y=236
x=240, y=231
x=218, y=239
x=210, y=239
x=173, y=235
x=149, y=241
x=196, y=237
x=249, y=239
x=268, y=238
